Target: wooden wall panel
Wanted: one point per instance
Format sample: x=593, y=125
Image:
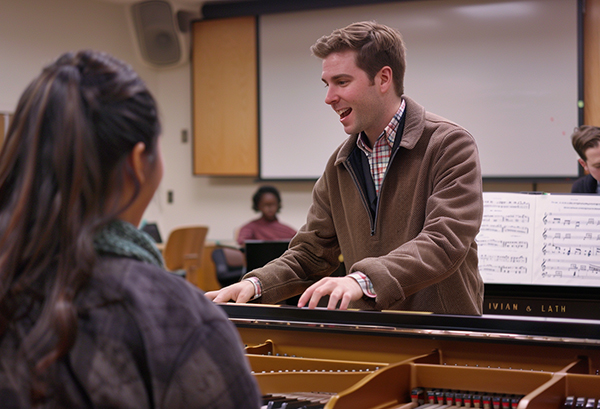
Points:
x=225, y=111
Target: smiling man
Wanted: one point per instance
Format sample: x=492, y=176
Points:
x=400, y=199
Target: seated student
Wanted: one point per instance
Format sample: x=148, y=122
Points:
x=88, y=315
x=267, y=201
x=586, y=141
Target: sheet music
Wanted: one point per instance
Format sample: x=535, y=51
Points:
x=568, y=240
x=505, y=240
x=540, y=239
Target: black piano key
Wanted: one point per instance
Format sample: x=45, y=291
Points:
x=296, y=405
x=301, y=405
x=276, y=404
x=267, y=398
x=274, y=400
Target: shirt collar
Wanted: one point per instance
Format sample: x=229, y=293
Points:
x=389, y=132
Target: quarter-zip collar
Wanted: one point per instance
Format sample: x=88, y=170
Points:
x=357, y=166
x=414, y=126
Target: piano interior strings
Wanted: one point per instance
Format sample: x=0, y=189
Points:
x=372, y=360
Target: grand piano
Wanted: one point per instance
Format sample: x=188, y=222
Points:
x=537, y=344
x=369, y=360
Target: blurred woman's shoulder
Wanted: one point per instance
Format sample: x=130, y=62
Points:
x=165, y=330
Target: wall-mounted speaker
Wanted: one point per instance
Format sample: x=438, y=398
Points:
x=159, y=41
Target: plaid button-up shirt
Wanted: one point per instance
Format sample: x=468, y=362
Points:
x=379, y=156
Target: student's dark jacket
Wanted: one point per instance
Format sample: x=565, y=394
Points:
x=146, y=339
x=586, y=184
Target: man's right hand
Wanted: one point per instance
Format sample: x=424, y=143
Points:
x=239, y=292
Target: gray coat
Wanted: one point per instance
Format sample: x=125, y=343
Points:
x=146, y=339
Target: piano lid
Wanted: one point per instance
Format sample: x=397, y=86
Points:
x=485, y=328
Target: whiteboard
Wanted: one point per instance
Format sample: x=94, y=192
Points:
x=507, y=71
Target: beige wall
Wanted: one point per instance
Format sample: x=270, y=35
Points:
x=33, y=32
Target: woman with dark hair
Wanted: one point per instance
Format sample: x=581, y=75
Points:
x=88, y=315
x=267, y=201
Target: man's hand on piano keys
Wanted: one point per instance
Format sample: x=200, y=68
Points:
x=339, y=289
x=239, y=292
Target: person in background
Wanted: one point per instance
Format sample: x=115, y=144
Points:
x=89, y=318
x=401, y=198
x=586, y=142
x=267, y=201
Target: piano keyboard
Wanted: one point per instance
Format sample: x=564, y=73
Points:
x=298, y=400
x=421, y=398
x=581, y=403
x=440, y=398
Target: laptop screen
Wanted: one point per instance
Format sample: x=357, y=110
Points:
x=152, y=230
x=260, y=252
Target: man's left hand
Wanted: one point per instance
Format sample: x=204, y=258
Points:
x=339, y=289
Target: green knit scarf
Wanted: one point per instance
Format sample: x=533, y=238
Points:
x=124, y=239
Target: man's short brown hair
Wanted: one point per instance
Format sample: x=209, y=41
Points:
x=376, y=45
x=585, y=137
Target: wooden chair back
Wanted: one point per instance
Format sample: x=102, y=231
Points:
x=184, y=248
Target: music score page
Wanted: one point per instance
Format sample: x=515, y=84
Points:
x=540, y=239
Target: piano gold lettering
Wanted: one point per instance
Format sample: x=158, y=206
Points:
x=503, y=306
x=554, y=308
